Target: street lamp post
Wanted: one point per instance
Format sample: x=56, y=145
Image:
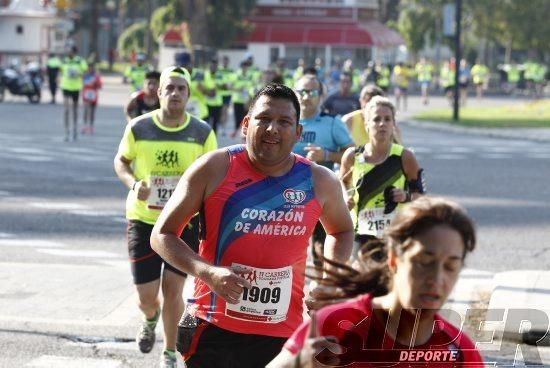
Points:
x=458, y=57
x=111, y=6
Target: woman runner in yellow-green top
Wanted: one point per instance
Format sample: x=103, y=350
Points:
x=378, y=176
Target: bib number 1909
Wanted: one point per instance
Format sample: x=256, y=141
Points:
x=264, y=295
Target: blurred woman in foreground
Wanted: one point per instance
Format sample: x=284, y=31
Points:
x=394, y=318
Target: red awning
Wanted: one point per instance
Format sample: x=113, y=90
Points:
x=372, y=33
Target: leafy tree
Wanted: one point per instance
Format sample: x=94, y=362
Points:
x=215, y=23
x=132, y=39
x=162, y=18
x=226, y=20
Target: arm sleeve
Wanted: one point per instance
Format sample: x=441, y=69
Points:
x=127, y=147
x=341, y=134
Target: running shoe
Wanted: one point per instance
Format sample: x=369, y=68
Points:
x=168, y=360
x=146, y=334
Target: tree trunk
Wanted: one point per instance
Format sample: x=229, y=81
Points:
x=508, y=53
x=195, y=11
x=151, y=5
x=94, y=29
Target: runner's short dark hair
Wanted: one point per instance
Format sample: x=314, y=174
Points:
x=275, y=90
x=153, y=75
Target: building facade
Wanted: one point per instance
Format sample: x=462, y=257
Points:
x=332, y=30
x=30, y=31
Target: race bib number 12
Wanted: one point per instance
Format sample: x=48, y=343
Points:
x=269, y=297
x=162, y=188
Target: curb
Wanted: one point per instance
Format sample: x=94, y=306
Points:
x=530, y=134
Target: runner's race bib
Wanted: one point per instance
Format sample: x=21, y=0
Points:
x=90, y=95
x=373, y=221
x=268, y=299
x=73, y=73
x=162, y=188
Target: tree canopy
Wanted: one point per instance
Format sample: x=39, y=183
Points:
x=517, y=24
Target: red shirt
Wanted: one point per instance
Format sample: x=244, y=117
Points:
x=366, y=343
x=91, y=84
x=260, y=224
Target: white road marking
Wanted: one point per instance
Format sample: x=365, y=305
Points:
x=93, y=213
x=87, y=179
x=79, y=253
x=421, y=150
x=544, y=156
x=35, y=158
x=79, y=150
x=460, y=150
x=496, y=156
x=496, y=202
x=122, y=220
x=28, y=150
x=32, y=243
x=58, y=205
x=449, y=156
x=50, y=361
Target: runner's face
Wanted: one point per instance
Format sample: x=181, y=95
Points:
x=425, y=274
x=151, y=86
x=271, y=130
x=173, y=94
x=345, y=84
x=306, y=88
x=379, y=122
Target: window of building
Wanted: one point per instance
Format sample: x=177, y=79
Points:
x=19, y=29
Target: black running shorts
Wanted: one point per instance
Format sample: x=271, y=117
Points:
x=72, y=95
x=213, y=347
x=146, y=264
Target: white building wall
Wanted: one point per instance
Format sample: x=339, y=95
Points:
x=261, y=54
x=32, y=40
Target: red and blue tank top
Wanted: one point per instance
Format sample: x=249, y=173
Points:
x=260, y=225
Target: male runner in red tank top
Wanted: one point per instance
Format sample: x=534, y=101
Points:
x=259, y=204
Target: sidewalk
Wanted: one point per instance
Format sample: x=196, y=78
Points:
x=519, y=302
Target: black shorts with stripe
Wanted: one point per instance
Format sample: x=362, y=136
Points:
x=146, y=264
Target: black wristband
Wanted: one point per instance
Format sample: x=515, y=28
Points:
x=134, y=185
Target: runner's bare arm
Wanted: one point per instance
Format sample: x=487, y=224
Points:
x=318, y=154
x=335, y=215
x=129, y=109
x=348, y=120
x=346, y=175
x=124, y=170
x=196, y=184
x=126, y=175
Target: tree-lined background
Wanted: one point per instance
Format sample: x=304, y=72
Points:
x=506, y=28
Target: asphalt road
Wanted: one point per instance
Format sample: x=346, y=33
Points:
x=66, y=297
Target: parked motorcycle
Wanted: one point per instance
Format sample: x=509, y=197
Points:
x=27, y=84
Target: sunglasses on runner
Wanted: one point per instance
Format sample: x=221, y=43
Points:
x=309, y=92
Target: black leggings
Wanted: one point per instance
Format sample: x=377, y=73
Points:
x=239, y=112
x=214, y=117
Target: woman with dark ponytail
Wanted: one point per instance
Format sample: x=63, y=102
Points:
x=392, y=317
